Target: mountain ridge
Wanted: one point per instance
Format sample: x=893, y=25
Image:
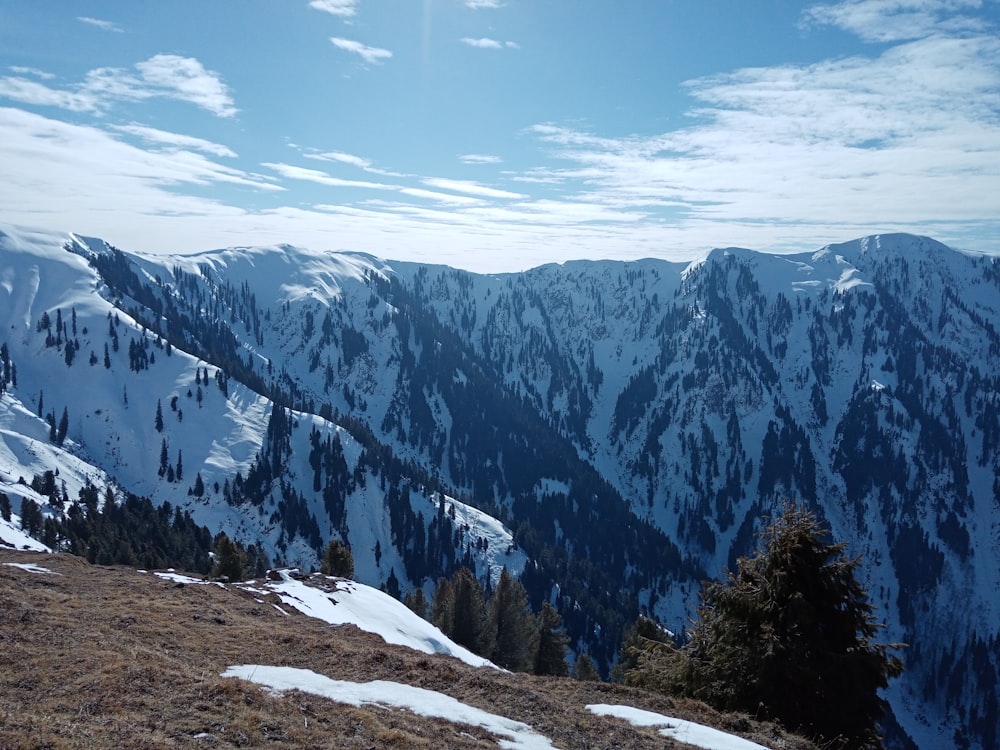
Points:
x=683, y=401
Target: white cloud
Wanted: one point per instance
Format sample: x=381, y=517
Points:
x=354, y=161
x=322, y=178
x=479, y=159
x=154, y=135
x=35, y=93
x=167, y=76
x=907, y=139
x=52, y=166
x=895, y=20
x=25, y=71
x=481, y=4
x=483, y=43
x=186, y=79
x=449, y=198
x=370, y=55
x=101, y=24
x=342, y=8
x=471, y=188
x=487, y=43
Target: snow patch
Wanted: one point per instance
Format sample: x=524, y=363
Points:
x=345, y=602
x=420, y=701
x=32, y=568
x=687, y=732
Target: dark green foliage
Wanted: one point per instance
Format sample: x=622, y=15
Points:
x=645, y=631
x=230, y=560
x=514, y=625
x=471, y=625
x=443, y=606
x=63, y=427
x=550, y=658
x=31, y=517
x=5, y=509
x=127, y=532
x=585, y=670
x=337, y=560
x=417, y=602
x=787, y=637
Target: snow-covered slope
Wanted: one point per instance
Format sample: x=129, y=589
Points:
x=72, y=351
x=633, y=422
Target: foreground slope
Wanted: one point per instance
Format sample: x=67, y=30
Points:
x=96, y=656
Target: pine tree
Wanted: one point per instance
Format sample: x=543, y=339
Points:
x=229, y=559
x=585, y=670
x=5, y=509
x=550, y=659
x=164, y=458
x=417, y=602
x=338, y=560
x=63, y=427
x=635, y=642
x=443, y=606
x=514, y=625
x=391, y=586
x=787, y=637
x=470, y=622
x=31, y=516
x=158, y=420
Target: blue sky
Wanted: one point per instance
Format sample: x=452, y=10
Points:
x=497, y=135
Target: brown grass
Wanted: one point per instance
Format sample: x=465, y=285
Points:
x=108, y=657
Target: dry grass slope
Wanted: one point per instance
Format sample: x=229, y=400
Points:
x=108, y=657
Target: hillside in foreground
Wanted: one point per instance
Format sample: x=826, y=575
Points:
x=94, y=656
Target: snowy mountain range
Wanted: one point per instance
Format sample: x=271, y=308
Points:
x=612, y=432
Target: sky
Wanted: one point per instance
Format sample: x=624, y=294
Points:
x=497, y=135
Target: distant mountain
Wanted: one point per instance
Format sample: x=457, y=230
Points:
x=612, y=432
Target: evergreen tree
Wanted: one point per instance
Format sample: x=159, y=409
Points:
x=585, y=670
x=787, y=637
x=550, y=659
x=63, y=427
x=417, y=602
x=514, y=625
x=164, y=458
x=635, y=642
x=391, y=586
x=5, y=509
x=158, y=420
x=337, y=560
x=229, y=559
x=443, y=606
x=471, y=625
x=31, y=516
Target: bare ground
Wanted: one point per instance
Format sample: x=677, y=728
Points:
x=96, y=657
